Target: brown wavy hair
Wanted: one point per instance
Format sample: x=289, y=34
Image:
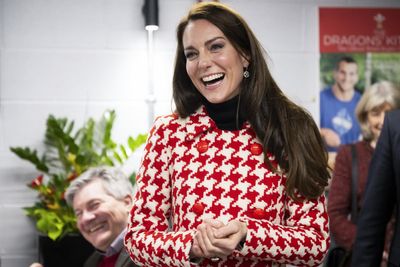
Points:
x=285, y=129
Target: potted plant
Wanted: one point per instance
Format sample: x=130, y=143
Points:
x=68, y=153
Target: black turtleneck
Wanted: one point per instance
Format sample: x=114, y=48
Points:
x=225, y=114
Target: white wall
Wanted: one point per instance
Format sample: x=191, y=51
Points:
x=75, y=58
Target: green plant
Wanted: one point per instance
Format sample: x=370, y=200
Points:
x=67, y=154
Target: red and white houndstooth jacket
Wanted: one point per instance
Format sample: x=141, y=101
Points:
x=191, y=171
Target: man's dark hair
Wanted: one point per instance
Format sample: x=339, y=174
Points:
x=346, y=59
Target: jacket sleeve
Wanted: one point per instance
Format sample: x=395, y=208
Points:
x=302, y=241
x=339, y=200
x=380, y=198
x=149, y=240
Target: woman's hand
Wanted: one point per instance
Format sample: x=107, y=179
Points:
x=216, y=240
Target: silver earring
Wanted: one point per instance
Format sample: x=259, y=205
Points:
x=246, y=74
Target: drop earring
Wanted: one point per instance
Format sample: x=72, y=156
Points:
x=246, y=73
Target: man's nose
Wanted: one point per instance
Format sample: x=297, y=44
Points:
x=87, y=216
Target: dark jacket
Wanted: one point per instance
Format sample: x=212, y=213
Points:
x=382, y=193
x=122, y=261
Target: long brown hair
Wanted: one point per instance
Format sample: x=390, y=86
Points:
x=285, y=129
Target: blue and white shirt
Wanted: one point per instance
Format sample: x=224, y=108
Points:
x=339, y=116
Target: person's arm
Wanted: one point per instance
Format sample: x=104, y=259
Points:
x=330, y=137
x=339, y=200
x=379, y=202
x=149, y=240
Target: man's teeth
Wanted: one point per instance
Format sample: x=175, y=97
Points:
x=212, y=77
x=97, y=227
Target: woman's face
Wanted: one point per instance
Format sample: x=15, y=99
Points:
x=212, y=63
x=375, y=119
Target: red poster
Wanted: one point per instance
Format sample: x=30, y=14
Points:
x=353, y=30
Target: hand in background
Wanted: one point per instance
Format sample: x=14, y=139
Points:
x=331, y=138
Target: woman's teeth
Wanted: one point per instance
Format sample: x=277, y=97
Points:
x=212, y=77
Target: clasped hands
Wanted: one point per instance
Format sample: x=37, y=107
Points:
x=216, y=240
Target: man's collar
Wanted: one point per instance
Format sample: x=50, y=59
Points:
x=115, y=246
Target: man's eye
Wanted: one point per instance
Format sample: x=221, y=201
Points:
x=93, y=206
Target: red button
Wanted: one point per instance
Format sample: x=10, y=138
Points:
x=202, y=146
x=259, y=213
x=198, y=208
x=256, y=149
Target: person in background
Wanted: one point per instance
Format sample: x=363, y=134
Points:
x=382, y=196
x=375, y=102
x=338, y=124
x=102, y=198
x=236, y=176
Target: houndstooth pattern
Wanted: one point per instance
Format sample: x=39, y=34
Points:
x=227, y=181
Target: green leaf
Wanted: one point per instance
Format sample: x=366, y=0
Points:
x=123, y=151
x=132, y=177
x=31, y=156
x=49, y=223
x=117, y=157
x=108, y=118
x=135, y=143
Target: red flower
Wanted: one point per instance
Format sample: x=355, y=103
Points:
x=72, y=176
x=37, y=181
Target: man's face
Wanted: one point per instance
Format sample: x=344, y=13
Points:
x=100, y=217
x=346, y=76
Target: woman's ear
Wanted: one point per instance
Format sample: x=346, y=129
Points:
x=245, y=61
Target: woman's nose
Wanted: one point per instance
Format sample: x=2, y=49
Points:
x=204, y=60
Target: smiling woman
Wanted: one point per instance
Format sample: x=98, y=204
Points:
x=213, y=64
x=235, y=177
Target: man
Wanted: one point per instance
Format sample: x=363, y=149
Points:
x=337, y=105
x=381, y=197
x=101, y=198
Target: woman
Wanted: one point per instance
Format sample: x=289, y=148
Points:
x=370, y=112
x=236, y=177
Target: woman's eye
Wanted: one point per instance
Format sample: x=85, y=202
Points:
x=216, y=46
x=190, y=55
x=374, y=112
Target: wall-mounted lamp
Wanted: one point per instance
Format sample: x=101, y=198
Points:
x=150, y=13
